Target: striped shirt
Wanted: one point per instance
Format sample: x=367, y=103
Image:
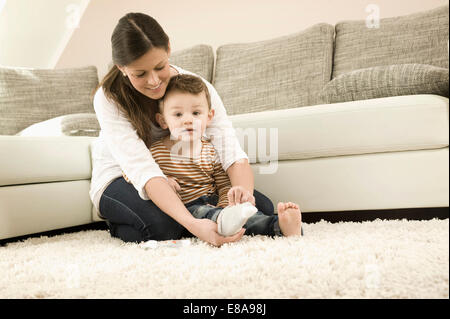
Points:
x=197, y=176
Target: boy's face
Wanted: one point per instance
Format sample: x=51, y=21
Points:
x=186, y=115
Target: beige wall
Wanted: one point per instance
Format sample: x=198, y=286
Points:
x=217, y=22
x=34, y=33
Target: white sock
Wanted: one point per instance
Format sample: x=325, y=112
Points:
x=232, y=218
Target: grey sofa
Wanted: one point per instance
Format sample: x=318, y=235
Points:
x=336, y=118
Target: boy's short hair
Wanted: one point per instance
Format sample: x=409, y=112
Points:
x=186, y=83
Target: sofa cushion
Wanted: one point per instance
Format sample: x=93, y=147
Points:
x=35, y=208
x=79, y=124
x=34, y=159
x=281, y=73
x=198, y=59
x=29, y=96
x=416, y=38
x=390, y=124
x=383, y=81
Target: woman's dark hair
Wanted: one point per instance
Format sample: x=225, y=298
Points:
x=134, y=35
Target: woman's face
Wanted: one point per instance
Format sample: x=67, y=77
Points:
x=150, y=74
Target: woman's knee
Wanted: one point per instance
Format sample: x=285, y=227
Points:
x=133, y=219
x=164, y=228
x=126, y=233
x=159, y=226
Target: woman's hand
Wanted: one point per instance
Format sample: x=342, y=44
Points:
x=206, y=230
x=239, y=194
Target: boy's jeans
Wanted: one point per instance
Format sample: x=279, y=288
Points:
x=258, y=224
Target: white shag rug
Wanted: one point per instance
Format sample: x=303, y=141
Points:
x=378, y=259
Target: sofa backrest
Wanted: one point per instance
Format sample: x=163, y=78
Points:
x=281, y=73
x=420, y=38
x=198, y=59
x=29, y=96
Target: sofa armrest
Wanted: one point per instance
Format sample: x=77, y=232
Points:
x=26, y=160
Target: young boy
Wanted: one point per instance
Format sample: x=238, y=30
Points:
x=192, y=166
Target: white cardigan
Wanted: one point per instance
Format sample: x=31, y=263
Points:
x=118, y=146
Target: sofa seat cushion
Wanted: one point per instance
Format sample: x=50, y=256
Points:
x=388, y=124
x=29, y=209
x=280, y=73
x=415, y=38
x=29, y=160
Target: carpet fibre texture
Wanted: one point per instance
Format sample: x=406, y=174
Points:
x=377, y=259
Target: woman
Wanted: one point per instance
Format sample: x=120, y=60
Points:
x=125, y=104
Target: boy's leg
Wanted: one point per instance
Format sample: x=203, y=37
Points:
x=262, y=202
x=258, y=224
x=199, y=208
x=261, y=224
x=229, y=220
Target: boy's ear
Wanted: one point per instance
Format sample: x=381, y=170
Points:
x=210, y=116
x=161, y=121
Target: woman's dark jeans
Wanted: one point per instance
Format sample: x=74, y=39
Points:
x=133, y=219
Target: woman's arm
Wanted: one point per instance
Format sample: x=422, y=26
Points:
x=162, y=194
x=232, y=156
x=128, y=153
x=241, y=174
x=242, y=181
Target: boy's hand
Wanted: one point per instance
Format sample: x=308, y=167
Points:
x=125, y=178
x=238, y=195
x=173, y=183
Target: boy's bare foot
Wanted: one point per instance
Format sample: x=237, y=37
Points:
x=290, y=219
